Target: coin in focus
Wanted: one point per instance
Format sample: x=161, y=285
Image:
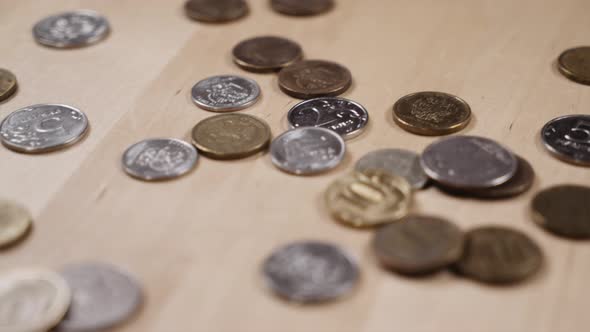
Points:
x=568, y=138
x=310, y=272
x=266, y=53
x=301, y=7
x=314, y=78
x=216, y=11
x=226, y=93
x=519, y=183
x=71, y=29
x=8, y=84
x=15, y=222
x=575, y=64
x=564, y=210
x=399, y=162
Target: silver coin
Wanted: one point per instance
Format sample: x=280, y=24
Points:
x=307, y=150
x=310, y=272
x=468, y=162
x=225, y=93
x=102, y=297
x=568, y=138
x=42, y=128
x=343, y=116
x=71, y=29
x=159, y=159
x=396, y=161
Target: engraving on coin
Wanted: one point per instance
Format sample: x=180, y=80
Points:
x=519, y=183
x=575, y=64
x=314, y=78
x=71, y=29
x=568, y=138
x=310, y=272
x=397, y=162
x=301, y=7
x=15, y=221
x=8, y=84
x=216, y=11
x=267, y=53
x=564, y=210
x=225, y=93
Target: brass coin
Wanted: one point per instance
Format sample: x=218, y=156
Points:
x=15, y=221
x=231, y=136
x=369, y=198
x=7, y=84
x=431, y=113
x=314, y=78
x=301, y=7
x=266, y=53
x=216, y=11
x=575, y=64
x=564, y=210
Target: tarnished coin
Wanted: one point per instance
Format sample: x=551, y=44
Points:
x=575, y=64
x=418, y=244
x=564, y=210
x=310, y=272
x=499, y=255
x=8, y=84
x=568, y=138
x=231, y=136
x=267, y=53
x=102, y=297
x=431, y=113
x=519, y=183
x=397, y=162
x=15, y=221
x=43, y=128
x=468, y=162
x=314, y=78
x=216, y=11
x=159, y=159
x=343, y=116
x=301, y=7
x=307, y=150
x=71, y=29
x=225, y=93
x=370, y=198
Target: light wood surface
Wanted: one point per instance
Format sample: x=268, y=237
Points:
x=197, y=243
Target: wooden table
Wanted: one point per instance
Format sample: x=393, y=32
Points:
x=197, y=243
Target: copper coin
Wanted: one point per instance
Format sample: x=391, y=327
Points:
x=564, y=210
x=575, y=64
x=7, y=84
x=266, y=53
x=314, y=78
x=216, y=11
x=301, y=7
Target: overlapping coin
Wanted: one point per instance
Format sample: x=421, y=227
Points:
x=225, y=93
x=564, y=210
x=71, y=29
x=568, y=138
x=397, y=162
x=314, y=78
x=575, y=64
x=266, y=53
x=216, y=11
x=15, y=222
x=8, y=85
x=301, y=7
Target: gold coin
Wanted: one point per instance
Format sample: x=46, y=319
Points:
x=231, y=136
x=575, y=64
x=7, y=84
x=369, y=198
x=15, y=221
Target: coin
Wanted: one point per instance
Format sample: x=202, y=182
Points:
x=418, y=244
x=102, y=297
x=8, y=84
x=267, y=53
x=370, y=198
x=468, y=162
x=314, y=78
x=71, y=29
x=568, y=138
x=225, y=93
x=397, y=162
x=345, y=117
x=216, y=11
x=310, y=272
x=431, y=113
x=499, y=255
x=301, y=7
x=307, y=150
x=519, y=183
x=564, y=210
x=575, y=64
x=32, y=300
x=43, y=128
x=231, y=136
x=15, y=221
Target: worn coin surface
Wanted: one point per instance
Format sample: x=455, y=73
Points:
x=216, y=11
x=310, y=272
x=519, y=183
x=397, y=162
x=301, y=7
x=225, y=93
x=43, y=128
x=314, y=78
x=15, y=221
x=8, y=84
x=564, y=210
x=575, y=64
x=568, y=138
x=266, y=53
x=159, y=159
x=71, y=29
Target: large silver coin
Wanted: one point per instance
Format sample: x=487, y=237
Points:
x=307, y=150
x=309, y=272
x=396, y=161
x=71, y=29
x=468, y=162
x=42, y=128
x=159, y=159
x=225, y=93
x=343, y=116
x=568, y=138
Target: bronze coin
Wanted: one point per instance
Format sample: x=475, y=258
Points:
x=216, y=11
x=314, y=78
x=266, y=53
x=575, y=64
x=301, y=7
x=7, y=84
x=431, y=113
x=564, y=210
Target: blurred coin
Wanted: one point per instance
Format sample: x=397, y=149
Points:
x=575, y=64
x=267, y=53
x=225, y=93
x=564, y=210
x=314, y=78
x=568, y=138
x=301, y=7
x=15, y=221
x=216, y=11
x=71, y=29
x=8, y=84
x=397, y=162
x=519, y=183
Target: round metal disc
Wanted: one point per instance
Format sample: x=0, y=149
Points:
x=15, y=222
x=226, y=93
x=575, y=64
x=71, y=29
x=568, y=138
x=266, y=53
x=564, y=210
x=301, y=7
x=314, y=78
x=216, y=11
x=8, y=85
x=399, y=162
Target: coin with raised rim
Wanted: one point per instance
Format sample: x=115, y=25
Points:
x=216, y=11
x=266, y=53
x=314, y=78
x=519, y=183
x=575, y=64
x=71, y=29
x=225, y=93
x=15, y=222
x=8, y=84
x=564, y=210
x=301, y=7
x=568, y=138
x=396, y=161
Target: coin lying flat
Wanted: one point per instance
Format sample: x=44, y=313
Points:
x=71, y=29
x=301, y=7
x=519, y=183
x=15, y=221
x=43, y=128
x=216, y=11
x=225, y=93
x=310, y=272
x=564, y=210
x=568, y=138
x=267, y=53
x=8, y=84
x=314, y=78
x=397, y=162
x=575, y=64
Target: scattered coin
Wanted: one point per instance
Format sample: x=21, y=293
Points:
x=310, y=272
x=8, y=84
x=568, y=138
x=15, y=221
x=216, y=11
x=225, y=93
x=71, y=29
x=314, y=78
x=519, y=183
x=564, y=210
x=575, y=64
x=302, y=7
x=267, y=53
x=43, y=128
x=397, y=162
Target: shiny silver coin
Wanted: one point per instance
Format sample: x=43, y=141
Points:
x=468, y=162
x=71, y=29
x=396, y=161
x=225, y=93
x=343, y=116
x=310, y=272
x=159, y=159
x=568, y=138
x=43, y=128
x=307, y=150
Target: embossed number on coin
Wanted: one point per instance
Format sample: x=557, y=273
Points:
x=225, y=93
x=72, y=29
x=568, y=138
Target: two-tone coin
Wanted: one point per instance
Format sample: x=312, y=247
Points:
x=568, y=138
x=564, y=210
x=225, y=93
x=314, y=78
x=71, y=29
x=216, y=11
x=399, y=162
x=301, y=7
x=8, y=85
x=15, y=222
x=575, y=64
x=266, y=53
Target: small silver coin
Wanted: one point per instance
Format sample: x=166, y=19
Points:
x=159, y=159
x=396, y=161
x=71, y=29
x=568, y=138
x=102, y=297
x=468, y=162
x=307, y=150
x=225, y=93
x=343, y=116
x=43, y=128
x=310, y=272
